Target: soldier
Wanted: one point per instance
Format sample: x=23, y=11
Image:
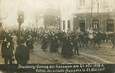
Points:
x=75, y=45
x=29, y=43
x=63, y=46
x=22, y=53
x=7, y=52
x=98, y=39
x=113, y=40
x=44, y=42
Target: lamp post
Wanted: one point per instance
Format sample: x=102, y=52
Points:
x=20, y=20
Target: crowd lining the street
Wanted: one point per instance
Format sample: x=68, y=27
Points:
x=53, y=41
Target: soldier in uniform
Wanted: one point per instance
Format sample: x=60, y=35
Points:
x=30, y=43
x=44, y=43
x=98, y=39
x=113, y=40
x=63, y=47
x=75, y=45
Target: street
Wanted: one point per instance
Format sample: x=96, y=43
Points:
x=104, y=55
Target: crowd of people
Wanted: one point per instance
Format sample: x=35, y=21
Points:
x=51, y=41
x=12, y=50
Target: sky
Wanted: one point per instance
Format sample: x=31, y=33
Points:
x=10, y=8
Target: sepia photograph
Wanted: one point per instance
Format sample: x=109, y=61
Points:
x=57, y=32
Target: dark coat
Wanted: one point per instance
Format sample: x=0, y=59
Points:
x=29, y=44
x=44, y=43
x=75, y=46
x=113, y=39
x=54, y=44
x=2, y=35
x=6, y=51
x=22, y=53
x=67, y=49
x=75, y=43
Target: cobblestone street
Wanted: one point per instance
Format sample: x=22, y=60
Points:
x=105, y=55
x=101, y=55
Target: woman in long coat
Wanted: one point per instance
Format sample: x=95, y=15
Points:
x=67, y=48
x=54, y=45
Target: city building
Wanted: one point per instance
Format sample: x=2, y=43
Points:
x=98, y=21
x=85, y=14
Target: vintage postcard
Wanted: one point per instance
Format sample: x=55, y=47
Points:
x=57, y=36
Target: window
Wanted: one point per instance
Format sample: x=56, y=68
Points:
x=68, y=24
x=63, y=25
x=82, y=25
x=110, y=25
x=95, y=24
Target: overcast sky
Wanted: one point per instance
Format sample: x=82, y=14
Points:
x=10, y=8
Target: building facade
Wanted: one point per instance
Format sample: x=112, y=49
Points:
x=97, y=21
x=85, y=14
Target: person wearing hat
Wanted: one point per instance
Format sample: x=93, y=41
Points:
x=44, y=43
x=30, y=43
x=7, y=52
